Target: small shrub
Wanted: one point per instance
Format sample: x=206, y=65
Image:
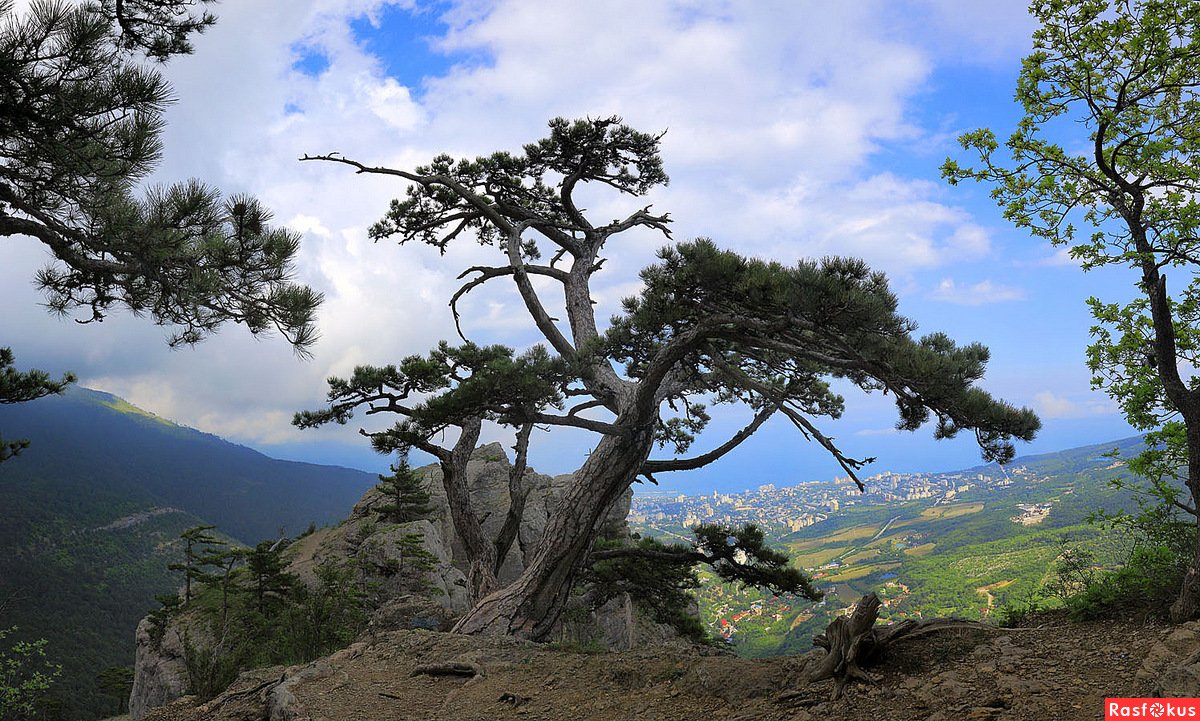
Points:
x=25, y=676
x=210, y=669
x=1014, y=613
x=1074, y=572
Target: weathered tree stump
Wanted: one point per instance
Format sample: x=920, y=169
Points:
x=854, y=641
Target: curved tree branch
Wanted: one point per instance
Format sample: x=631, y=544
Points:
x=608, y=429
x=688, y=464
x=532, y=302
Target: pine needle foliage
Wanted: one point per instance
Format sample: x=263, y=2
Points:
x=21, y=386
x=81, y=120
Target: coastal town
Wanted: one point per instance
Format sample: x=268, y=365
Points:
x=787, y=509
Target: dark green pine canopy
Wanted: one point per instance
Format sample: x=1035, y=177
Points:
x=772, y=336
x=81, y=120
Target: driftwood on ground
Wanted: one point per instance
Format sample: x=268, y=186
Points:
x=855, y=641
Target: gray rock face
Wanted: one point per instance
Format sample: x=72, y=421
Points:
x=487, y=474
x=382, y=552
x=160, y=675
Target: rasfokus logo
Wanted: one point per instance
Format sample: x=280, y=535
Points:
x=1151, y=708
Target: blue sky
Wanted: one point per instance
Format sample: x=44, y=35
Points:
x=795, y=129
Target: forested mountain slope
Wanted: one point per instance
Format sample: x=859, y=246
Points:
x=91, y=512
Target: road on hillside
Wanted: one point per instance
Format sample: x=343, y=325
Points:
x=884, y=529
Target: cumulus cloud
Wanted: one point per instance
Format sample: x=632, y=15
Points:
x=980, y=293
x=894, y=223
x=774, y=113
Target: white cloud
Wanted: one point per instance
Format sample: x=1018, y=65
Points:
x=980, y=293
x=1048, y=405
x=1061, y=257
x=774, y=112
x=869, y=432
x=894, y=223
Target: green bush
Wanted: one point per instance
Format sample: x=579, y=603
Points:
x=1147, y=583
x=1014, y=613
x=210, y=669
x=25, y=677
x=1160, y=542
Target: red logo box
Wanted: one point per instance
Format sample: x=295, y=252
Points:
x=1151, y=708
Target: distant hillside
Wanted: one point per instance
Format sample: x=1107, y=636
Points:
x=89, y=442
x=90, y=517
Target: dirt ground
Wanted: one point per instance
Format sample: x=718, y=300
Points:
x=1058, y=671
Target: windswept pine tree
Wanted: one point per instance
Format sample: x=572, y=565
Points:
x=709, y=326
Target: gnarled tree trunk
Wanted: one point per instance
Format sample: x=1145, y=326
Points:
x=481, y=574
x=855, y=641
x=530, y=605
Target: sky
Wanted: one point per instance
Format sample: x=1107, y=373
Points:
x=794, y=129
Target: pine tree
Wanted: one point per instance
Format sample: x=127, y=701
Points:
x=708, y=325
x=269, y=581
x=116, y=681
x=407, y=497
x=81, y=126
x=198, y=554
x=226, y=562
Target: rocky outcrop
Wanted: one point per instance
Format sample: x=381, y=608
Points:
x=160, y=674
x=488, y=472
x=430, y=600
x=382, y=553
